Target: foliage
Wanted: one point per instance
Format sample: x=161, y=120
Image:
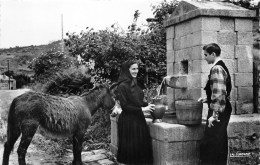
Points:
x=70, y=81
x=98, y=133
x=21, y=80
x=46, y=65
x=111, y=47
x=51, y=146
x=106, y=48
x=163, y=9
x=8, y=73
x=249, y=4
x=23, y=59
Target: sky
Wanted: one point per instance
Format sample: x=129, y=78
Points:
x=37, y=22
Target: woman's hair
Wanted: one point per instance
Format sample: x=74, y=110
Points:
x=213, y=47
x=125, y=73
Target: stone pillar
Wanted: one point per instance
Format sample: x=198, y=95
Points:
x=195, y=24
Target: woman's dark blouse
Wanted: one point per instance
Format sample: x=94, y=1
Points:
x=131, y=100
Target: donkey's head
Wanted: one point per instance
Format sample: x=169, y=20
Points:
x=103, y=95
x=108, y=97
x=117, y=109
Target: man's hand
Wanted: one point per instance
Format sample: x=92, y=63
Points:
x=211, y=119
x=203, y=100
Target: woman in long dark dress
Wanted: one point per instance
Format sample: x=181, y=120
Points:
x=135, y=145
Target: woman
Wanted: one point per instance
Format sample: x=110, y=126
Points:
x=135, y=145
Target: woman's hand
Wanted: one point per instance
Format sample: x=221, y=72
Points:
x=203, y=100
x=211, y=120
x=149, y=108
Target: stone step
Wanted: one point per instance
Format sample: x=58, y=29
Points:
x=93, y=158
x=100, y=151
x=106, y=162
x=92, y=163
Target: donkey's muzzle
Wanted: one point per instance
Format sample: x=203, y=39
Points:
x=116, y=110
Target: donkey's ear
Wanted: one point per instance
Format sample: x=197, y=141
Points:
x=96, y=85
x=113, y=86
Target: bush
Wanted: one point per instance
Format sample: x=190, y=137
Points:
x=21, y=80
x=71, y=81
x=47, y=65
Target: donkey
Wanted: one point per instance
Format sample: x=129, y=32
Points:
x=58, y=116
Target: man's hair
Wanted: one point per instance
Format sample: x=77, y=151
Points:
x=213, y=47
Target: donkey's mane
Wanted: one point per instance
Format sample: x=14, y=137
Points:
x=94, y=92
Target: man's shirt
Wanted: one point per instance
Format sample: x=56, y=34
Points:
x=218, y=87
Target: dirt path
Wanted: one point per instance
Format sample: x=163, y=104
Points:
x=36, y=157
x=33, y=156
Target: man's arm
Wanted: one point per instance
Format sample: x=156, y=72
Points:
x=218, y=87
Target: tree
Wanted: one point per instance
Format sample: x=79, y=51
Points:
x=249, y=4
x=111, y=47
x=21, y=80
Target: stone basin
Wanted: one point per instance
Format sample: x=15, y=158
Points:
x=170, y=118
x=173, y=143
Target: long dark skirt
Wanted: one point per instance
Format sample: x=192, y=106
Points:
x=135, y=145
x=214, y=145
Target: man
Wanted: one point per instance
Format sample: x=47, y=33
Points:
x=214, y=145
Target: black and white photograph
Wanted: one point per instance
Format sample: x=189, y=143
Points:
x=130, y=82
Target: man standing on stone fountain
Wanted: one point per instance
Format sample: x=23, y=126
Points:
x=214, y=145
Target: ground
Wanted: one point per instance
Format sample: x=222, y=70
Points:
x=35, y=156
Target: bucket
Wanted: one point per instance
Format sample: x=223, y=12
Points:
x=160, y=102
x=189, y=112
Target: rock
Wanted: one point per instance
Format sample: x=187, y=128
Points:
x=100, y=151
x=106, y=162
x=92, y=158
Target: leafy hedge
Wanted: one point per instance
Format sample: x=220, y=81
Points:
x=111, y=47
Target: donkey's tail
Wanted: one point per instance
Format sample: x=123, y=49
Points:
x=12, y=127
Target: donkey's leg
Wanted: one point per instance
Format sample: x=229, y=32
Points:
x=13, y=134
x=77, y=148
x=28, y=131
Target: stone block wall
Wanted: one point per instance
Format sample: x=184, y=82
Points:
x=185, y=41
x=243, y=133
x=194, y=24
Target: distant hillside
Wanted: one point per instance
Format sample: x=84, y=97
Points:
x=20, y=57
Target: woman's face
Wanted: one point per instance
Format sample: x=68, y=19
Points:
x=134, y=70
